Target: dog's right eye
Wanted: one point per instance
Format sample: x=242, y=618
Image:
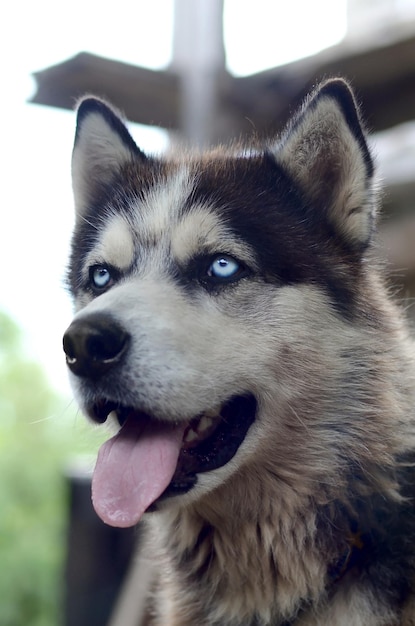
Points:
x=100, y=277
x=222, y=270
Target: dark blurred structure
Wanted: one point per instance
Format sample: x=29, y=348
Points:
x=98, y=557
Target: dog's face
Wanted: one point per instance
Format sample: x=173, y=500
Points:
x=213, y=296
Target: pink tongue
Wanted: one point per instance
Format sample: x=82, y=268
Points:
x=133, y=469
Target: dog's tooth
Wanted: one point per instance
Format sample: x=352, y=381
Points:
x=198, y=430
x=204, y=424
x=112, y=415
x=190, y=436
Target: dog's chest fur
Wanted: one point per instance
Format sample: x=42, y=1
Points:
x=223, y=561
x=297, y=564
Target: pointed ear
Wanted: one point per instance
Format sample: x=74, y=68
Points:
x=102, y=146
x=325, y=151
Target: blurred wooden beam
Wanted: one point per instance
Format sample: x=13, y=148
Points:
x=382, y=71
x=145, y=96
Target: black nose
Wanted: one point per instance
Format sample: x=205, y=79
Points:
x=94, y=344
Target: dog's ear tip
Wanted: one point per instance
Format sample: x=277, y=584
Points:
x=88, y=101
x=91, y=103
x=336, y=85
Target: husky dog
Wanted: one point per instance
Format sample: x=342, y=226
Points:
x=233, y=324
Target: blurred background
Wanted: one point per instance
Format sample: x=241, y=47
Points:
x=194, y=71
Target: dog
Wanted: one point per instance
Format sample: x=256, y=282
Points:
x=233, y=323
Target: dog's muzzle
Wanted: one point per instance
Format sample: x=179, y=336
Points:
x=94, y=344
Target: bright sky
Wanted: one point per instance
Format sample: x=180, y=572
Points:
x=36, y=142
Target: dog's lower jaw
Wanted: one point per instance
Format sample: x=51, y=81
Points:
x=236, y=417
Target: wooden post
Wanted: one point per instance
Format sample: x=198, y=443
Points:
x=199, y=59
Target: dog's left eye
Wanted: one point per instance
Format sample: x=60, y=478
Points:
x=224, y=267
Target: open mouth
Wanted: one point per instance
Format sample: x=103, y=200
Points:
x=148, y=460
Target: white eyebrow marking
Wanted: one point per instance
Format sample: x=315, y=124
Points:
x=116, y=244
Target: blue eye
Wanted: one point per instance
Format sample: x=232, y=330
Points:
x=100, y=276
x=224, y=267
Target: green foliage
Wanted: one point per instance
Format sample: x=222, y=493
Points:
x=38, y=430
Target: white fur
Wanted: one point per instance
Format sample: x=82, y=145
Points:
x=116, y=244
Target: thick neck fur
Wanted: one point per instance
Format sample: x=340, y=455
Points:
x=260, y=565
x=254, y=570
x=264, y=570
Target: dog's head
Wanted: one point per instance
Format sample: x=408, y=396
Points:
x=214, y=294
